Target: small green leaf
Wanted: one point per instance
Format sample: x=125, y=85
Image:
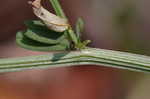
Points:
x=72, y=36
x=38, y=32
x=83, y=45
x=79, y=27
x=30, y=44
x=31, y=23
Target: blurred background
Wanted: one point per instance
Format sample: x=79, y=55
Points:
x=122, y=25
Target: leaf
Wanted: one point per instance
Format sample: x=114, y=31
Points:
x=32, y=23
x=52, y=21
x=79, y=27
x=83, y=45
x=38, y=32
x=73, y=36
x=30, y=44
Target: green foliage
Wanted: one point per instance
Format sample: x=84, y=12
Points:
x=39, y=38
x=38, y=32
x=72, y=36
x=79, y=27
x=31, y=44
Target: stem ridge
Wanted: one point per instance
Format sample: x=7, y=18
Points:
x=89, y=56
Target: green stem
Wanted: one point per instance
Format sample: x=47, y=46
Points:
x=90, y=56
x=59, y=11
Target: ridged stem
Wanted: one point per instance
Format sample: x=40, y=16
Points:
x=89, y=56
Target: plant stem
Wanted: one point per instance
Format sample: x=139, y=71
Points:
x=59, y=11
x=89, y=56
